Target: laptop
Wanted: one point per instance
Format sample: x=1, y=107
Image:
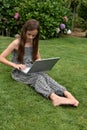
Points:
x=41, y=65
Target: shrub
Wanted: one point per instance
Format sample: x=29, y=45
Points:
x=49, y=13
x=7, y=22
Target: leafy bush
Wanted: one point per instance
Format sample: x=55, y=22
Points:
x=7, y=22
x=49, y=13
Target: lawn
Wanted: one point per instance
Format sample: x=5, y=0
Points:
x=21, y=108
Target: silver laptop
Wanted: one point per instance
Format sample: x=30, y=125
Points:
x=41, y=65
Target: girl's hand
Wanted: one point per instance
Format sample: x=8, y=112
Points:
x=19, y=66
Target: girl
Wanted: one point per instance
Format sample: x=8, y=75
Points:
x=25, y=51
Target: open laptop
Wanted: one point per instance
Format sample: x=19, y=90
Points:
x=41, y=65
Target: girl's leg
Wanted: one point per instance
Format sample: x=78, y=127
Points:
x=41, y=86
x=67, y=100
x=55, y=86
x=60, y=95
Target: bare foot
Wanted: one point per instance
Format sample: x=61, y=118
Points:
x=57, y=100
x=70, y=96
x=76, y=104
x=63, y=101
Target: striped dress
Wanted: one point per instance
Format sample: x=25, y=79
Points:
x=40, y=81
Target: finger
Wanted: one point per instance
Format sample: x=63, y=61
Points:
x=23, y=66
x=19, y=68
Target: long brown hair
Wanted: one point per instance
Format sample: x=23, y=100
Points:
x=28, y=26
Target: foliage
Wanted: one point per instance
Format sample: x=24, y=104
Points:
x=81, y=21
x=72, y=4
x=7, y=12
x=48, y=12
x=82, y=10
x=79, y=9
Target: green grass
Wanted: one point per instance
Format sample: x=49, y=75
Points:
x=21, y=108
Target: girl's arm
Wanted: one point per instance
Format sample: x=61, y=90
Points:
x=7, y=51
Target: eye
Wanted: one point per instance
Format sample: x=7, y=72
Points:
x=33, y=36
x=29, y=34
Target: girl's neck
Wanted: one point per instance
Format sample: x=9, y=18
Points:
x=28, y=43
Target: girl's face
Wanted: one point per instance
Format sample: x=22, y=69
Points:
x=30, y=35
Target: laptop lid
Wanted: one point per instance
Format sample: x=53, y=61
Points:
x=42, y=65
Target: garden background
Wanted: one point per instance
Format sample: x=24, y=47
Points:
x=50, y=13
x=21, y=108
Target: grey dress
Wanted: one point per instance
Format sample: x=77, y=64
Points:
x=40, y=81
